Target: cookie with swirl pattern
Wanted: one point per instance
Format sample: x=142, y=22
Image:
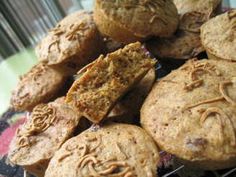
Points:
x=113, y=150
x=134, y=20
x=45, y=130
x=185, y=43
x=191, y=113
x=75, y=41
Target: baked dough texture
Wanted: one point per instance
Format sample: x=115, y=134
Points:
x=127, y=110
x=114, y=150
x=185, y=43
x=182, y=46
x=191, y=113
x=40, y=85
x=107, y=79
x=134, y=20
x=218, y=36
x=45, y=130
x=75, y=39
x=207, y=7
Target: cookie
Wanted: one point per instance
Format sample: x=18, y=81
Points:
x=40, y=85
x=191, y=113
x=107, y=79
x=75, y=39
x=45, y=130
x=130, y=21
x=128, y=108
x=182, y=46
x=218, y=36
x=207, y=7
x=185, y=43
x=112, y=150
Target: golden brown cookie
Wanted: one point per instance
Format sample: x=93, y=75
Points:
x=207, y=7
x=41, y=84
x=45, y=130
x=134, y=20
x=183, y=45
x=218, y=36
x=128, y=108
x=191, y=113
x=113, y=150
x=107, y=79
x=75, y=39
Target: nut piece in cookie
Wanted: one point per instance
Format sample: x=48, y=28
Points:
x=45, y=130
x=191, y=113
x=107, y=79
x=218, y=36
x=41, y=84
x=130, y=21
x=75, y=39
x=113, y=150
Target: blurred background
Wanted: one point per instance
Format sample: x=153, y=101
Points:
x=23, y=23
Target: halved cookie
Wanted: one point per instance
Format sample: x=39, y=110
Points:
x=128, y=108
x=107, y=79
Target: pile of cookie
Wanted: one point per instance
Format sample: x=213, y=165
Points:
x=115, y=117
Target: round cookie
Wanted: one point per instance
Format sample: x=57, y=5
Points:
x=218, y=36
x=183, y=45
x=112, y=150
x=130, y=21
x=41, y=84
x=207, y=7
x=191, y=113
x=45, y=130
x=75, y=39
